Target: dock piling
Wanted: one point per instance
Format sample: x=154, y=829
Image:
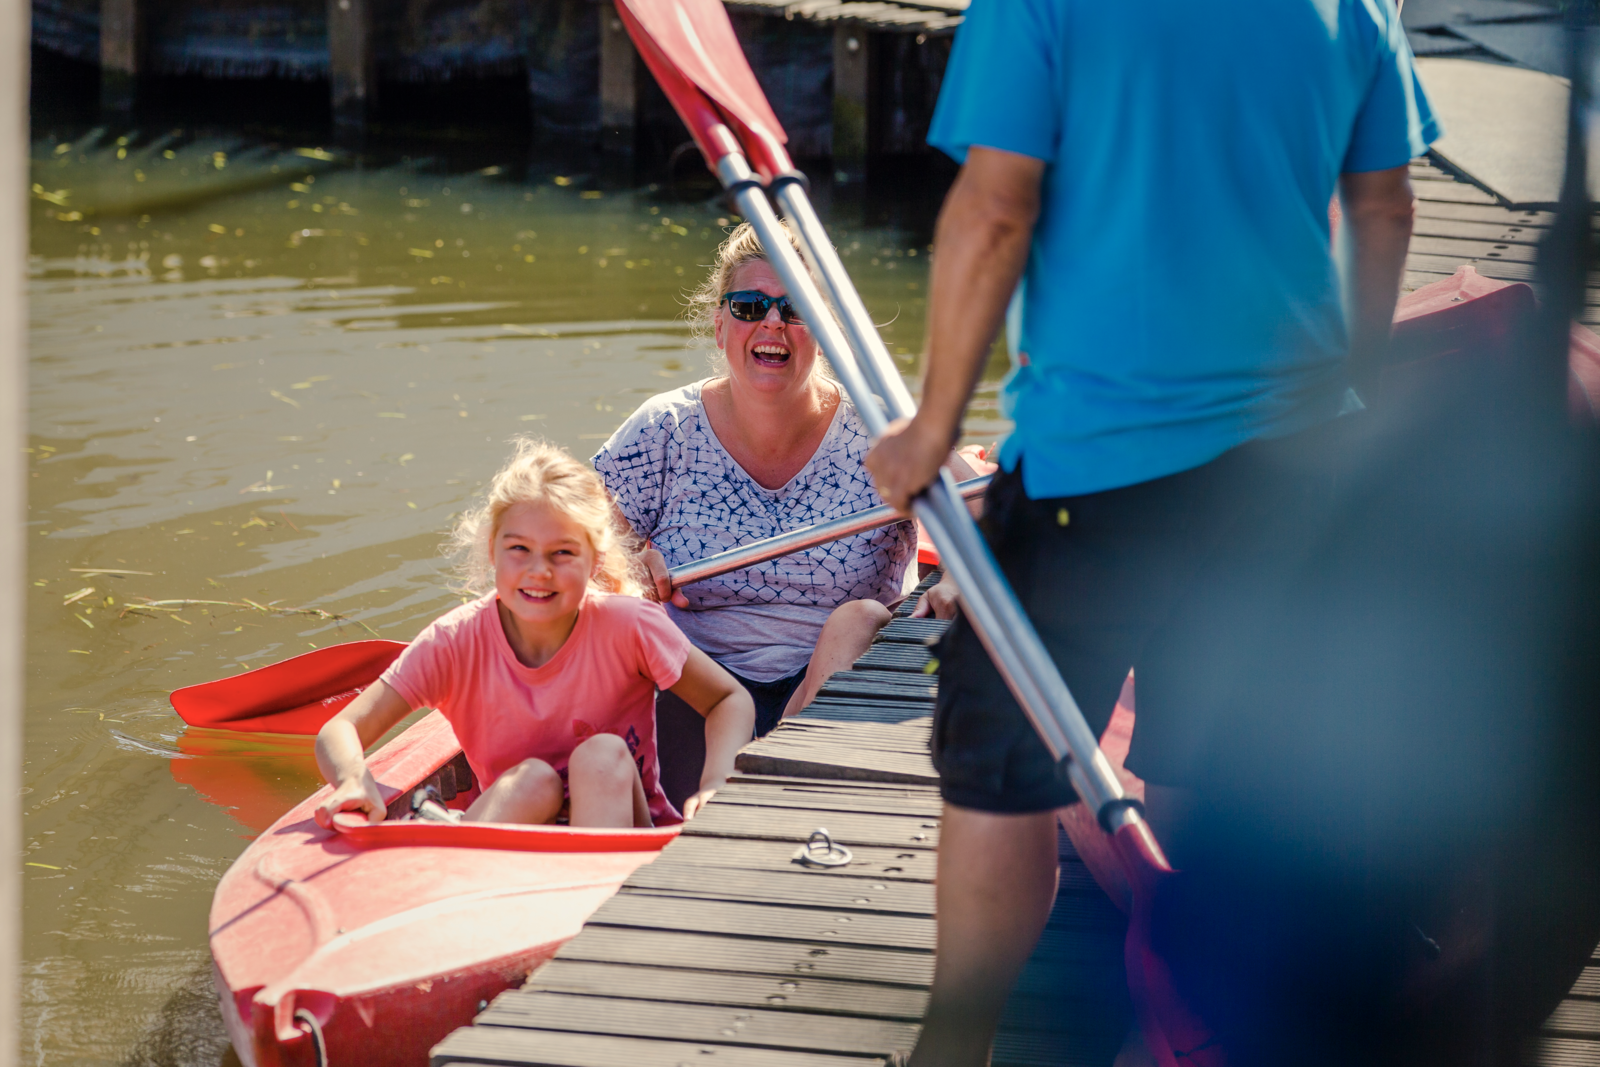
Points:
x=351, y=73
x=619, y=94
x=851, y=83
x=122, y=53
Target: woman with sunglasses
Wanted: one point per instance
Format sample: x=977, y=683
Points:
x=767, y=444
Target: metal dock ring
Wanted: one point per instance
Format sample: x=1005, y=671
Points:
x=820, y=851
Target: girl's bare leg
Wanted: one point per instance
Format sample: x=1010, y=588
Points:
x=845, y=636
x=604, y=784
x=530, y=792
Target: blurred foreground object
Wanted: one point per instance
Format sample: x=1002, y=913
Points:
x=1395, y=851
x=13, y=503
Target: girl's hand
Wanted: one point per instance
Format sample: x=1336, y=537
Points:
x=356, y=794
x=692, y=806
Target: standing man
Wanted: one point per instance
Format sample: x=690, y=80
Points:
x=1158, y=177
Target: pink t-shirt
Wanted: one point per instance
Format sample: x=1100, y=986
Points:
x=603, y=680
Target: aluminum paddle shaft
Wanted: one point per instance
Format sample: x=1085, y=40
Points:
x=880, y=396
x=785, y=544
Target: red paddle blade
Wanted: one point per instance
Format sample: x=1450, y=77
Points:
x=691, y=49
x=293, y=697
x=1174, y=1033
x=255, y=779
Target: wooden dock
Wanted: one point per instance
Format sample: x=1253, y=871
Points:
x=727, y=947
x=726, y=950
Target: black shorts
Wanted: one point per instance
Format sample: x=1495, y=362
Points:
x=681, y=731
x=1099, y=575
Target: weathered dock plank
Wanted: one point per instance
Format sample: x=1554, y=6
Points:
x=728, y=1026
x=788, y=824
x=826, y=749
x=867, y=861
x=771, y=921
x=913, y=659
x=799, y=888
x=545, y=1048
x=730, y=954
x=816, y=996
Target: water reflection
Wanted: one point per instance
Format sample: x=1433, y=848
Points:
x=269, y=385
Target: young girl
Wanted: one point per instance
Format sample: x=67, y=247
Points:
x=549, y=679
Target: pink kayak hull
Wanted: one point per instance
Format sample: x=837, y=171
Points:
x=379, y=940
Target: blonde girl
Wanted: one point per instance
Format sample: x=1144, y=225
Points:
x=549, y=677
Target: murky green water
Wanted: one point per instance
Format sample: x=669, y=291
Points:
x=262, y=378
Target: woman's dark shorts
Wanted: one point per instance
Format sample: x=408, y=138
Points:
x=681, y=731
x=1099, y=575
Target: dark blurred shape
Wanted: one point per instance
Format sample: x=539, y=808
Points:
x=1392, y=676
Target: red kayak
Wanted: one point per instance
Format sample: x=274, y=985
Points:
x=369, y=943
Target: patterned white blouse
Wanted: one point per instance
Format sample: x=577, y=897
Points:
x=681, y=489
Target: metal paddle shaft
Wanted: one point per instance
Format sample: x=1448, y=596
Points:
x=879, y=395
x=785, y=544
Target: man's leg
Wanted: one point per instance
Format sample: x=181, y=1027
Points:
x=996, y=884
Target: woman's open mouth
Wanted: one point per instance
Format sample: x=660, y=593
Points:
x=769, y=355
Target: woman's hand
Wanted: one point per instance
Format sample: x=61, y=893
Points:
x=660, y=579
x=938, y=602
x=692, y=806
x=354, y=794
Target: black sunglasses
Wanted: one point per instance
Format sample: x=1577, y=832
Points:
x=752, y=305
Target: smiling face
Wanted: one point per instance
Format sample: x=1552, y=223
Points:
x=770, y=355
x=543, y=561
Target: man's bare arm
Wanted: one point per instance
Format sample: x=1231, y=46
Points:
x=980, y=247
x=1377, y=206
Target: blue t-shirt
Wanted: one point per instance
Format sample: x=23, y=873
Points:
x=1180, y=295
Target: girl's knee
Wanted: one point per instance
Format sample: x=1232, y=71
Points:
x=532, y=777
x=601, y=755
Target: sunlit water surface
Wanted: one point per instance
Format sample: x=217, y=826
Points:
x=269, y=378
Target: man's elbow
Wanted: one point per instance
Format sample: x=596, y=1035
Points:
x=1382, y=198
x=999, y=191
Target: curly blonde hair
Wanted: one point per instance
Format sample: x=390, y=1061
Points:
x=542, y=472
x=742, y=246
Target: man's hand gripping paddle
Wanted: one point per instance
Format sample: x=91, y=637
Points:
x=691, y=49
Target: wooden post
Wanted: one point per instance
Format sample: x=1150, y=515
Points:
x=851, y=79
x=619, y=88
x=350, y=67
x=13, y=499
x=121, y=53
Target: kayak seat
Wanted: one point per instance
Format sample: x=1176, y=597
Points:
x=452, y=780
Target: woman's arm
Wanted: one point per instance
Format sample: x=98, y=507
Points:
x=341, y=752
x=730, y=720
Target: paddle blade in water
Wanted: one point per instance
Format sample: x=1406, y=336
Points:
x=293, y=697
